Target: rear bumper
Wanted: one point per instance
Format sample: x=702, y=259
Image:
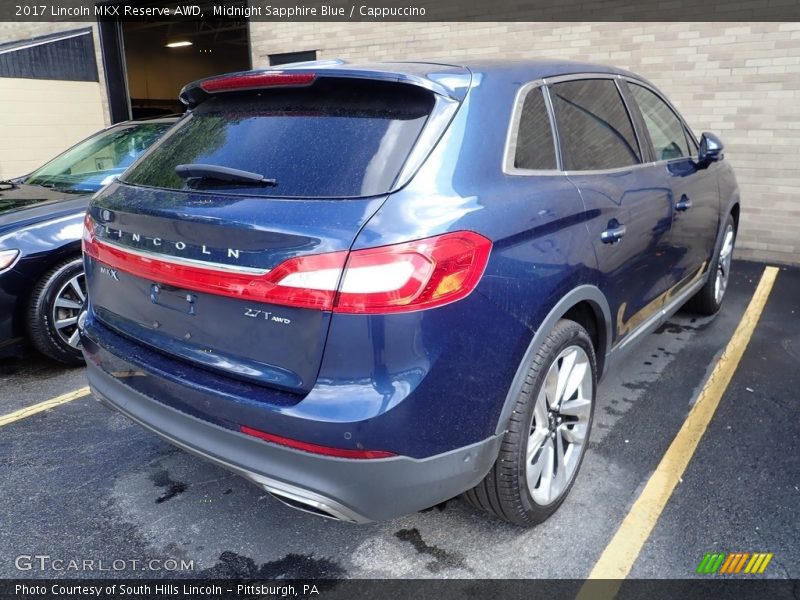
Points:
x=359, y=491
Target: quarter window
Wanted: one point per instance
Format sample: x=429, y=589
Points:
x=663, y=125
x=594, y=128
x=535, y=147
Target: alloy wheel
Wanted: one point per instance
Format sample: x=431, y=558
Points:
x=67, y=308
x=560, y=425
x=723, y=265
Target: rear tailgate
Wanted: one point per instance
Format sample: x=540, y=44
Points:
x=270, y=343
x=189, y=266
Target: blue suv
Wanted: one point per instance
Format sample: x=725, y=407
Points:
x=368, y=288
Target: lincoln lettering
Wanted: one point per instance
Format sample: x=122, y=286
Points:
x=144, y=242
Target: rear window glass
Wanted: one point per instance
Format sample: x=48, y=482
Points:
x=333, y=139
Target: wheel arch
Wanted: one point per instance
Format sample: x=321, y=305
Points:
x=585, y=304
x=34, y=268
x=733, y=209
x=734, y=212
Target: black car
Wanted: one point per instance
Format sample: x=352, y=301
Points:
x=41, y=217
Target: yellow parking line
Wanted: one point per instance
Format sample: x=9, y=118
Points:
x=42, y=406
x=618, y=557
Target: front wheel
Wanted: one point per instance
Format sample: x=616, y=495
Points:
x=53, y=312
x=708, y=300
x=547, y=434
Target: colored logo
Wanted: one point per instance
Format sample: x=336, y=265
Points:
x=732, y=563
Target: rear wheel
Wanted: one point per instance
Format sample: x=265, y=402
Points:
x=708, y=300
x=53, y=311
x=547, y=434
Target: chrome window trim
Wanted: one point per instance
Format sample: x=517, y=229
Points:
x=636, y=133
x=516, y=113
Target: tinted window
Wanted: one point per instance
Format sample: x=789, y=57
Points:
x=333, y=139
x=535, y=146
x=594, y=129
x=663, y=125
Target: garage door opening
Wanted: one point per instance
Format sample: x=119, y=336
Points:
x=160, y=58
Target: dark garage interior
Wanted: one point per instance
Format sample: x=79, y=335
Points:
x=160, y=58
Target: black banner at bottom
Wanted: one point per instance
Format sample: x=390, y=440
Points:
x=416, y=589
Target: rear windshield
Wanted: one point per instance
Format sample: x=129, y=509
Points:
x=333, y=139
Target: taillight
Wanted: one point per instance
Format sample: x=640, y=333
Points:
x=257, y=80
x=87, y=238
x=315, y=448
x=222, y=280
x=412, y=276
x=402, y=277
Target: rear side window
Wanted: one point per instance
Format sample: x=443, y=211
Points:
x=663, y=125
x=594, y=128
x=535, y=147
x=333, y=139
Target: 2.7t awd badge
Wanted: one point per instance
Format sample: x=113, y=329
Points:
x=266, y=315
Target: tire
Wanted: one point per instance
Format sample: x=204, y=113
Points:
x=53, y=305
x=708, y=300
x=506, y=491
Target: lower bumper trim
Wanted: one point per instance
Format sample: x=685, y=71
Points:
x=343, y=489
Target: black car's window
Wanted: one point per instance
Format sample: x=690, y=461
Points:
x=665, y=128
x=91, y=164
x=337, y=138
x=535, y=147
x=594, y=128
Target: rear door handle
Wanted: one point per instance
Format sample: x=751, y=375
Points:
x=683, y=204
x=613, y=235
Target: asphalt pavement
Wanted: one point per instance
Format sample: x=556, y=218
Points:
x=80, y=482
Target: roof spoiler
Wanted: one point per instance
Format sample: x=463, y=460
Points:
x=449, y=82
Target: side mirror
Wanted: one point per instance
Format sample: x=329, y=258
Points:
x=711, y=148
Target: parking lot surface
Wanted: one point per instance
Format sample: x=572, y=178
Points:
x=83, y=483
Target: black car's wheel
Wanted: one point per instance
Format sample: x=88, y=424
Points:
x=53, y=311
x=708, y=300
x=548, y=431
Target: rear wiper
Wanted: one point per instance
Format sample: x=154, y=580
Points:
x=217, y=173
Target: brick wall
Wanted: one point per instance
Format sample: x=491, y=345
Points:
x=741, y=81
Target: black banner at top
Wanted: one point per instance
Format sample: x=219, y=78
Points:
x=376, y=11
